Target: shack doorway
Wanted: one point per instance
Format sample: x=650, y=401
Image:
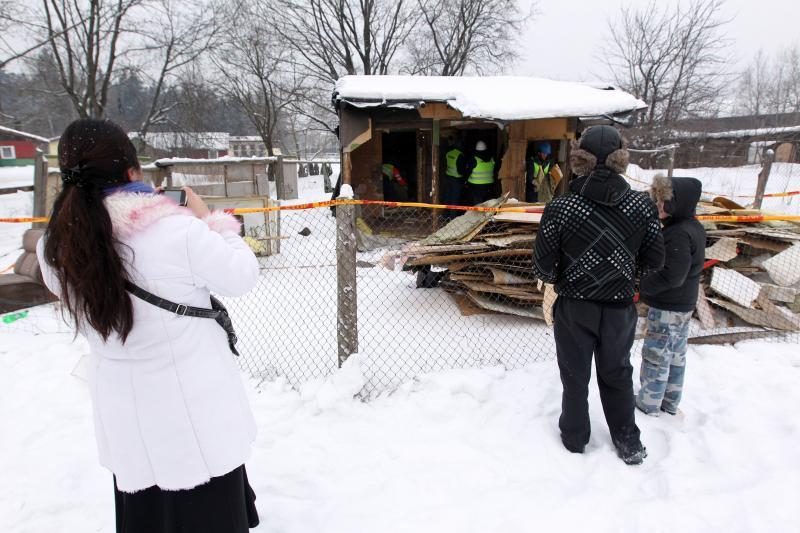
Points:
x=400, y=151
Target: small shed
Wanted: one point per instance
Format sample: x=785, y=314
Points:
x=18, y=148
x=407, y=120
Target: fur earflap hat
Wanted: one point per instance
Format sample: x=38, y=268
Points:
x=599, y=145
x=661, y=189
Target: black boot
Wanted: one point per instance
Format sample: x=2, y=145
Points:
x=632, y=452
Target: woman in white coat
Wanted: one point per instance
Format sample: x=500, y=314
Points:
x=171, y=416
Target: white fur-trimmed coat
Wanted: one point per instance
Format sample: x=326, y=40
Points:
x=169, y=405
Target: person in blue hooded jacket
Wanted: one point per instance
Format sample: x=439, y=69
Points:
x=539, y=182
x=671, y=293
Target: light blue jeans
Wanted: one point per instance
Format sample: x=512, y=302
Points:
x=663, y=361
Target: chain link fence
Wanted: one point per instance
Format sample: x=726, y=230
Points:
x=415, y=290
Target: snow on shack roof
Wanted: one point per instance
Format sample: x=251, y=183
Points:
x=491, y=97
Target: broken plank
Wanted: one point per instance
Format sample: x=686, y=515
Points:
x=772, y=319
x=734, y=286
x=734, y=337
x=704, y=312
x=521, y=218
x=505, y=277
x=723, y=250
x=500, y=307
x=441, y=259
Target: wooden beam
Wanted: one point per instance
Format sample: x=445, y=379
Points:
x=439, y=111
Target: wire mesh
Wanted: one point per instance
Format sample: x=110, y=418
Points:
x=415, y=290
x=427, y=300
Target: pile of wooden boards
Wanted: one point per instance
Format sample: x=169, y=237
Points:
x=751, y=281
x=486, y=261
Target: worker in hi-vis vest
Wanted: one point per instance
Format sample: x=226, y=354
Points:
x=395, y=187
x=459, y=166
x=481, y=179
x=542, y=174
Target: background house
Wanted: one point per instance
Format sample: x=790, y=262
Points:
x=724, y=142
x=193, y=145
x=18, y=148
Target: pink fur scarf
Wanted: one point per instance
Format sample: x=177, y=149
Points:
x=131, y=213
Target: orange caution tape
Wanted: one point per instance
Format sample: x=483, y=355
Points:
x=24, y=219
x=330, y=203
x=526, y=209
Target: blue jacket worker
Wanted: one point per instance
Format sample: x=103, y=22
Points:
x=591, y=243
x=671, y=294
x=540, y=184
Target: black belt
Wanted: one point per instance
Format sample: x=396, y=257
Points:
x=218, y=311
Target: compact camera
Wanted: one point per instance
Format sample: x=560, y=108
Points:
x=178, y=195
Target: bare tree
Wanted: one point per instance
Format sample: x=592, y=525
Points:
x=259, y=73
x=674, y=57
x=332, y=38
x=338, y=37
x=755, y=86
x=466, y=35
x=177, y=34
x=84, y=41
x=771, y=85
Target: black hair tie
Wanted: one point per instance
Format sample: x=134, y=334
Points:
x=74, y=176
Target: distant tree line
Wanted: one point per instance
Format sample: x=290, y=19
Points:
x=268, y=67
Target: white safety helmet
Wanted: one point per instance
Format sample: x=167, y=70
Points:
x=480, y=146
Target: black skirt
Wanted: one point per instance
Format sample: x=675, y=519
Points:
x=226, y=504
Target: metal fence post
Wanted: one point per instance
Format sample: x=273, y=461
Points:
x=40, y=187
x=763, y=176
x=280, y=193
x=347, y=300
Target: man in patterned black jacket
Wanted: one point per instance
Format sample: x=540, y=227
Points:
x=592, y=243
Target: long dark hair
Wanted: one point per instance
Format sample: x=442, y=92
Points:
x=79, y=243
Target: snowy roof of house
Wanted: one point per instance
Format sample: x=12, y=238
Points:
x=171, y=140
x=735, y=134
x=18, y=133
x=490, y=97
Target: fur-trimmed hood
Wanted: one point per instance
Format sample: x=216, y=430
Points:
x=678, y=195
x=131, y=213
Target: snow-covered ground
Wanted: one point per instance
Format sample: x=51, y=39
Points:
x=471, y=450
x=456, y=451
x=737, y=183
x=17, y=205
x=16, y=176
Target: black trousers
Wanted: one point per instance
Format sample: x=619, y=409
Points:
x=582, y=329
x=226, y=504
x=480, y=193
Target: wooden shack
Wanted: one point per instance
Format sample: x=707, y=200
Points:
x=407, y=121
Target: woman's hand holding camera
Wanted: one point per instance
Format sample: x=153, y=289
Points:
x=195, y=203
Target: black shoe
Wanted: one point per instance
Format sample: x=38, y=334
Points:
x=574, y=448
x=631, y=452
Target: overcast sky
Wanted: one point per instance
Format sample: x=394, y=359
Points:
x=564, y=39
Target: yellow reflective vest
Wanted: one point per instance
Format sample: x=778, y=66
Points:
x=452, y=162
x=483, y=173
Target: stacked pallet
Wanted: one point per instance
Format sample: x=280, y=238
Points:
x=751, y=280
x=484, y=262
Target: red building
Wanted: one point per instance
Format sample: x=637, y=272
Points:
x=18, y=148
